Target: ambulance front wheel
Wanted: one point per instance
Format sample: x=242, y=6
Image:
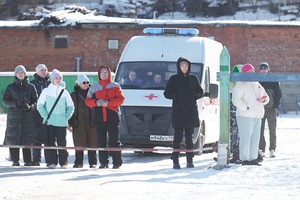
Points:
x=200, y=141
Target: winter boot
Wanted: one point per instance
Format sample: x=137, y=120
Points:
x=176, y=164
x=117, y=159
x=259, y=158
x=189, y=160
x=190, y=165
x=103, y=159
x=272, y=154
x=175, y=159
x=254, y=162
x=235, y=160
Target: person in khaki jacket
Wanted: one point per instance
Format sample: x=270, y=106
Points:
x=81, y=123
x=249, y=99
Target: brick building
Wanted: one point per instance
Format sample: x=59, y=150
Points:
x=96, y=44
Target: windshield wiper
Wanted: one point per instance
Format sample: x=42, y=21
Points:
x=130, y=86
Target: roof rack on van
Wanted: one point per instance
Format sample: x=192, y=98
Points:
x=171, y=31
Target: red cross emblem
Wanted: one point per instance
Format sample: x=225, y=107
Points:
x=151, y=97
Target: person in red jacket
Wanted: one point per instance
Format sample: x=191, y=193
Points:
x=105, y=97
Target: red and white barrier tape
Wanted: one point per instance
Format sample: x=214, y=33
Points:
x=166, y=150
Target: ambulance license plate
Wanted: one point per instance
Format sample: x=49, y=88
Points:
x=161, y=137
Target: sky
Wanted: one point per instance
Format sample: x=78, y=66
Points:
x=150, y=176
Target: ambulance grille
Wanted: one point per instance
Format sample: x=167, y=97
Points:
x=147, y=120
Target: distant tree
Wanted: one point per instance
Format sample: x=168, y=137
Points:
x=14, y=4
x=163, y=6
x=10, y=7
x=194, y=7
x=233, y=5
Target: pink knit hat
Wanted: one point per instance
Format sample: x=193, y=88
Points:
x=247, y=67
x=55, y=73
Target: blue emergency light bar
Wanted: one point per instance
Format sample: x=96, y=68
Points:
x=171, y=31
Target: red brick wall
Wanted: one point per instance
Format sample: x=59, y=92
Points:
x=277, y=45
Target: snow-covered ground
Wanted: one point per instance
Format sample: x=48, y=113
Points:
x=150, y=176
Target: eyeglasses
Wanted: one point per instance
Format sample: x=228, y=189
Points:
x=85, y=82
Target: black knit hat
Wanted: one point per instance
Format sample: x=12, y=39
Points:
x=264, y=65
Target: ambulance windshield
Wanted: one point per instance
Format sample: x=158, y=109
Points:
x=149, y=75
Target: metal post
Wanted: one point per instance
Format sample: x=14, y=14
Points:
x=224, y=110
x=78, y=63
x=136, y=10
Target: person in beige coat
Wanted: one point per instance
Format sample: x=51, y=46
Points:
x=249, y=98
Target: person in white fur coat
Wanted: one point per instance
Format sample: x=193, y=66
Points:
x=249, y=98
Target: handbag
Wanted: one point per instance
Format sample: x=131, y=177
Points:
x=42, y=134
x=74, y=122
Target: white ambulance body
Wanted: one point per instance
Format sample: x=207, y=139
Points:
x=146, y=113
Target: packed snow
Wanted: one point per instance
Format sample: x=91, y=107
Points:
x=151, y=176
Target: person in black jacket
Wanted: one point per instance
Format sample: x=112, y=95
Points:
x=274, y=92
x=41, y=80
x=20, y=98
x=184, y=89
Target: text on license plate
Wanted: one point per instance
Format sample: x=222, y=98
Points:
x=161, y=137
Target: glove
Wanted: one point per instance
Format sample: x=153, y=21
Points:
x=33, y=107
x=18, y=104
x=99, y=101
x=26, y=107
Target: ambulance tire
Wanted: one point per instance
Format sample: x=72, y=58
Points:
x=200, y=141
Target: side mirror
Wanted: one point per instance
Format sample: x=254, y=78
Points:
x=213, y=91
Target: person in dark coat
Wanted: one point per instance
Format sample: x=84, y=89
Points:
x=81, y=123
x=20, y=98
x=274, y=92
x=105, y=97
x=41, y=80
x=184, y=89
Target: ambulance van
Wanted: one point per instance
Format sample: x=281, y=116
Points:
x=146, y=113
